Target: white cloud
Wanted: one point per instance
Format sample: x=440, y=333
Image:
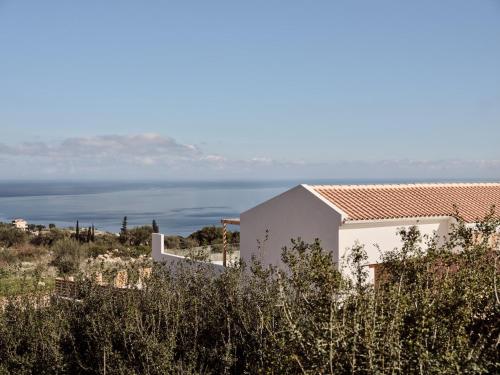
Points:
x=215, y=158
x=156, y=156
x=146, y=148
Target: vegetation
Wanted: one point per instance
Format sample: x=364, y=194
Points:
x=156, y=228
x=68, y=255
x=10, y=236
x=124, y=231
x=15, y=286
x=47, y=239
x=435, y=310
x=213, y=235
x=61, y=252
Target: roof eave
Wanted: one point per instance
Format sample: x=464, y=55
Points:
x=422, y=219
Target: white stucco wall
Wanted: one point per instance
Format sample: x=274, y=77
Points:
x=295, y=213
x=172, y=260
x=384, y=234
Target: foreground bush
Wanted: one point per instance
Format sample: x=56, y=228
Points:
x=433, y=311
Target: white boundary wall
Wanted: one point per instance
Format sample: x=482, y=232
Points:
x=160, y=256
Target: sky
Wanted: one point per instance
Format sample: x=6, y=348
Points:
x=250, y=90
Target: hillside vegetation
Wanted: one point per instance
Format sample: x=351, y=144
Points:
x=436, y=310
x=31, y=259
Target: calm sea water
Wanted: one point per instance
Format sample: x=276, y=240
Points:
x=178, y=207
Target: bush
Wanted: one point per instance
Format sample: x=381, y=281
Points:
x=172, y=242
x=108, y=240
x=207, y=235
x=189, y=243
x=434, y=312
x=138, y=251
x=140, y=235
x=96, y=249
x=68, y=255
x=49, y=238
x=27, y=252
x=11, y=236
x=7, y=257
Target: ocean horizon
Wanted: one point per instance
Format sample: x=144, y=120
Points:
x=179, y=207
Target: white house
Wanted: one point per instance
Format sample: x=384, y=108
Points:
x=341, y=215
x=20, y=224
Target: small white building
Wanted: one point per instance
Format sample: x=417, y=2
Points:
x=20, y=224
x=341, y=215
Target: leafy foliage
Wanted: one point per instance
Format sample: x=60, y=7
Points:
x=140, y=235
x=68, y=255
x=433, y=312
x=47, y=239
x=213, y=235
x=124, y=231
x=11, y=236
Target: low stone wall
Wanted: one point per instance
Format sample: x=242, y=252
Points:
x=38, y=300
x=67, y=287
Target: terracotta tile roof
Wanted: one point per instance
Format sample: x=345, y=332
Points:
x=372, y=202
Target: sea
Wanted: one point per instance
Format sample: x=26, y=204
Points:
x=179, y=207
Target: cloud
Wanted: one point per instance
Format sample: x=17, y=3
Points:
x=146, y=149
x=160, y=157
x=120, y=154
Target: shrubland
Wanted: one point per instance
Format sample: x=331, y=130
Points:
x=434, y=310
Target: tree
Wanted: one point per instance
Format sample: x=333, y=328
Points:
x=140, y=235
x=124, y=231
x=89, y=234
x=208, y=235
x=52, y=226
x=235, y=238
x=92, y=237
x=156, y=228
x=77, y=231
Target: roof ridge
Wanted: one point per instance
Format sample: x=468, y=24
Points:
x=403, y=186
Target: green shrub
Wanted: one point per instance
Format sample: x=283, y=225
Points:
x=434, y=312
x=140, y=235
x=96, y=249
x=7, y=257
x=68, y=255
x=172, y=242
x=47, y=239
x=11, y=236
x=28, y=252
x=135, y=251
x=213, y=235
